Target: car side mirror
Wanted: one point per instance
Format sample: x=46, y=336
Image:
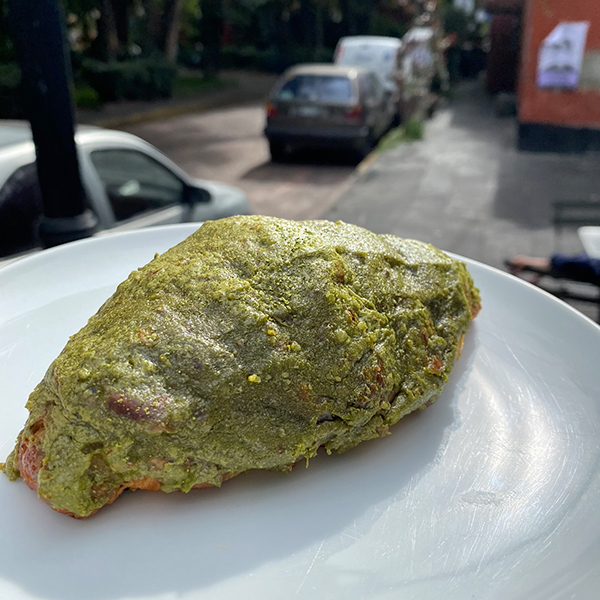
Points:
x=195, y=195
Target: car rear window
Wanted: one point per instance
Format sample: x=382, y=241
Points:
x=322, y=88
x=378, y=58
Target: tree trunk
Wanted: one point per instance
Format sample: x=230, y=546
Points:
x=108, y=42
x=120, y=9
x=150, y=40
x=211, y=27
x=319, y=31
x=169, y=42
x=347, y=17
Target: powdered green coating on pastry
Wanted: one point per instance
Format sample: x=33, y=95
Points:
x=247, y=346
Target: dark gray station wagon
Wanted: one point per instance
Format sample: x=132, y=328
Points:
x=328, y=106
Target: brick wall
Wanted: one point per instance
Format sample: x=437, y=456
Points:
x=574, y=109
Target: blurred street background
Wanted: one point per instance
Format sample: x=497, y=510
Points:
x=228, y=145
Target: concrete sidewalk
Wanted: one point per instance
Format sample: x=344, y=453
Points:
x=466, y=189
x=239, y=87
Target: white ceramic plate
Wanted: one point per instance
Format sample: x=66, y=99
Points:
x=492, y=493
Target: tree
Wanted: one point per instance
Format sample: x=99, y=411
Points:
x=211, y=29
x=107, y=40
x=111, y=27
x=168, y=40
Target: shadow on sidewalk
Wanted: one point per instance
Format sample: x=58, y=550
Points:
x=526, y=183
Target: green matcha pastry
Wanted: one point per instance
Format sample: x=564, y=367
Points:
x=247, y=346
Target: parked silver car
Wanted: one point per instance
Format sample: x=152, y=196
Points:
x=329, y=106
x=128, y=183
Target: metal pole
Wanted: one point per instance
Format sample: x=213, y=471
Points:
x=40, y=45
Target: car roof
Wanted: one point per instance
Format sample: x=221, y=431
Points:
x=325, y=69
x=17, y=149
x=418, y=34
x=15, y=136
x=13, y=133
x=377, y=40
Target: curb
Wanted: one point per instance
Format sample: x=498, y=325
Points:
x=363, y=167
x=170, y=112
x=367, y=162
x=361, y=170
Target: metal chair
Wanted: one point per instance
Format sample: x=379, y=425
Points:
x=570, y=214
x=573, y=214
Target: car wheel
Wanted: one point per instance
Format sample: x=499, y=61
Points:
x=366, y=147
x=277, y=150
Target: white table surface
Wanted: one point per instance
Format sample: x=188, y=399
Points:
x=590, y=238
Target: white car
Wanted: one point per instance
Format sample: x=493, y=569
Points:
x=128, y=183
x=379, y=54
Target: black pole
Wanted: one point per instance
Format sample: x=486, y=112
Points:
x=46, y=79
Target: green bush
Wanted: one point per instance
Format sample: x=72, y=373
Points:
x=139, y=79
x=239, y=57
x=87, y=97
x=11, y=106
x=191, y=85
x=272, y=59
x=411, y=131
x=414, y=129
x=382, y=25
x=323, y=55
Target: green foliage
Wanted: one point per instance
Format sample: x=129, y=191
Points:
x=274, y=34
x=411, y=131
x=10, y=76
x=382, y=25
x=138, y=79
x=191, y=14
x=80, y=8
x=272, y=60
x=268, y=35
x=457, y=21
x=11, y=106
x=189, y=86
x=239, y=57
x=87, y=97
x=414, y=130
x=322, y=55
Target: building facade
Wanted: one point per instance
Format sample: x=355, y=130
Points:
x=561, y=118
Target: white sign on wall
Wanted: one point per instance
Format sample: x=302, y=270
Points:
x=561, y=55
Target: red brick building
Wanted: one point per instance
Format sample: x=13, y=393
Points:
x=559, y=119
x=550, y=119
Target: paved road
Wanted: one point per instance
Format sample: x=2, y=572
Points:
x=228, y=146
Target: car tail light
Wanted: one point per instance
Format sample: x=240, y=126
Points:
x=271, y=110
x=354, y=113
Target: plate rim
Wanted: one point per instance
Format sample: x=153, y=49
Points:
x=56, y=251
